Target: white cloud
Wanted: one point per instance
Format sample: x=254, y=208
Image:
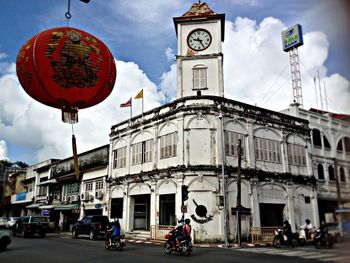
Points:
x=167, y=84
x=3, y=150
x=169, y=53
x=23, y=121
x=3, y=55
x=256, y=70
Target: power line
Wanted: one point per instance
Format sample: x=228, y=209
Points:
x=279, y=75
x=275, y=92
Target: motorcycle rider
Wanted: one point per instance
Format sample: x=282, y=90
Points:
x=115, y=230
x=308, y=228
x=324, y=230
x=287, y=230
x=178, y=230
x=185, y=231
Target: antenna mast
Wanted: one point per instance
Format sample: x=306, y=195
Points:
x=292, y=38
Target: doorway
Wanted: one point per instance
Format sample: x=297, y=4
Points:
x=167, y=210
x=271, y=214
x=142, y=212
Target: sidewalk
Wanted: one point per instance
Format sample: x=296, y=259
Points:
x=200, y=245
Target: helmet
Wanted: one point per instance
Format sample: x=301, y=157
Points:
x=180, y=220
x=307, y=221
x=285, y=222
x=187, y=221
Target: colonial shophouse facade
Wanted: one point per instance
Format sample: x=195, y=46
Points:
x=181, y=144
x=169, y=161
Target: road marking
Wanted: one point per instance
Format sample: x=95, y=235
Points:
x=321, y=255
x=338, y=259
x=203, y=245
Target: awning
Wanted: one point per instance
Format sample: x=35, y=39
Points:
x=21, y=202
x=67, y=207
x=33, y=206
x=46, y=207
x=51, y=181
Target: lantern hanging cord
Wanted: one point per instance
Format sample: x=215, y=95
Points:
x=67, y=14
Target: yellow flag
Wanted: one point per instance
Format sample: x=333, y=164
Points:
x=139, y=95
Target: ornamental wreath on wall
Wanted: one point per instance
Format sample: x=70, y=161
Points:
x=201, y=212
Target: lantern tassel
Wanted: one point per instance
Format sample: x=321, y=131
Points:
x=75, y=157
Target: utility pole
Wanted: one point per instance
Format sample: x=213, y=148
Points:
x=223, y=181
x=239, y=193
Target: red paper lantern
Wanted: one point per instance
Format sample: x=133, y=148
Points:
x=66, y=68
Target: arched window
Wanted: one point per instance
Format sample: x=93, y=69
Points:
x=344, y=144
x=326, y=143
x=316, y=137
x=347, y=145
x=331, y=173
x=340, y=146
x=320, y=172
x=342, y=174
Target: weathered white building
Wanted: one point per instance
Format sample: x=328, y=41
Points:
x=185, y=143
x=330, y=154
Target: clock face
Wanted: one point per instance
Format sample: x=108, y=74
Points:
x=199, y=39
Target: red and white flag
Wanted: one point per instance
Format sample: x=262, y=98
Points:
x=126, y=104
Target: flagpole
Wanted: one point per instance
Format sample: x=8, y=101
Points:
x=130, y=108
x=142, y=106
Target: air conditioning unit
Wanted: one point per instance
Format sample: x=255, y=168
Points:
x=74, y=198
x=98, y=194
x=91, y=197
x=58, y=197
x=84, y=196
x=64, y=198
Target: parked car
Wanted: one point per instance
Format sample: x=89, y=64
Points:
x=5, y=239
x=3, y=221
x=30, y=225
x=12, y=223
x=93, y=225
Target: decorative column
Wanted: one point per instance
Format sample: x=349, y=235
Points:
x=128, y=208
x=255, y=202
x=179, y=182
x=153, y=208
x=250, y=152
x=284, y=145
x=314, y=203
x=181, y=143
x=290, y=202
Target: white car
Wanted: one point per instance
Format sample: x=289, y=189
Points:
x=12, y=223
x=3, y=221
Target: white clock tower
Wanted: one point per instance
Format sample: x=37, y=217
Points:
x=200, y=33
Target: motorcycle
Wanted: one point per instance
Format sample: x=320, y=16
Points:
x=184, y=248
x=117, y=242
x=323, y=239
x=281, y=239
x=305, y=239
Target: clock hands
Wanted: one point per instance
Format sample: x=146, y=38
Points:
x=199, y=40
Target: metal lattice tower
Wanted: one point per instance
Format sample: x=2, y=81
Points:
x=296, y=79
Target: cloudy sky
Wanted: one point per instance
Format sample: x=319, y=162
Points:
x=141, y=36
